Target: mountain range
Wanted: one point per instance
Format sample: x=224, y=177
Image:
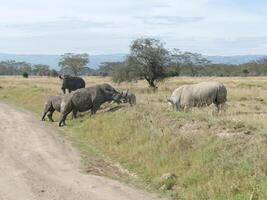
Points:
x=96, y=60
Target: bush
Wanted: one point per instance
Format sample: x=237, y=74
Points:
x=25, y=75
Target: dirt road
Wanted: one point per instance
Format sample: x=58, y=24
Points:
x=36, y=163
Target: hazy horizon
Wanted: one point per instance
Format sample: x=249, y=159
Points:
x=120, y=53
x=209, y=27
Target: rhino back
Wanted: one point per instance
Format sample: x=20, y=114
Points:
x=200, y=94
x=82, y=99
x=73, y=83
x=56, y=102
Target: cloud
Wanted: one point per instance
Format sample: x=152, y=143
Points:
x=169, y=20
x=162, y=6
x=203, y=26
x=221, y=46
x=59, y=25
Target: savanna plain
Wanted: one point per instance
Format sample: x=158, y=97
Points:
x=184, y=155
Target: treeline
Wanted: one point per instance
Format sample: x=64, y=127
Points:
x=254, y=68
x=148, y=59
x=182, y=64
x=12, y=67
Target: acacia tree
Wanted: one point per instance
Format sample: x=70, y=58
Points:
x=74, y=62
x=148, y=60
x=41, y=70
x=193, y=62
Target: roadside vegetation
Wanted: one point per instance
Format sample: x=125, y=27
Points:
x=193, y=155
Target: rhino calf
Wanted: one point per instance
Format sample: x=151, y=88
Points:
x=85, y=99
x=129, y=97
x=71, y=83
x=53, y=104
x=199, y=95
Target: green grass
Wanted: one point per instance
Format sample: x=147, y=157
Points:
x=149, y=140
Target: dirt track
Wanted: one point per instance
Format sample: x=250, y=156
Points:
x=36, y=163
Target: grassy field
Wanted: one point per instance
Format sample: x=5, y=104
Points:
x=208, y=157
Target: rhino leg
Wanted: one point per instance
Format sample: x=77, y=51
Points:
x=94, y=109
x=47, y=108
x=186, y=108
x=74, y=114
x=43, y=116
x=50, y=115
x=220, y=107
x=66, y=108
x=62, y=119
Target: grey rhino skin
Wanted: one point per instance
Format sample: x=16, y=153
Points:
x=53, y=103
x=90, y=98
x=129, y=97
x=71, y=83
x=199, y=95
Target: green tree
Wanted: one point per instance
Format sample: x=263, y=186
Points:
x=25, y=75
x=75, y=62
x=148, y=60
x=53, y=73
x=24, y=67
x=41, y=70
x=191, y=63
x=245, y=72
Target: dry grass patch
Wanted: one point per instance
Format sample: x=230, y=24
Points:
x=206, y=156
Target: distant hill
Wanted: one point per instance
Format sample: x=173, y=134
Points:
x=234, y=60
x=96, y=60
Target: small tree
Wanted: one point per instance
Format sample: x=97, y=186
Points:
x=106, y=68
x=41, y=70
x=25, y=75
x=193, y=63
x=53, y=73
x=24, y=67
x=148, y=60
x=245, y=72
x=75, y=62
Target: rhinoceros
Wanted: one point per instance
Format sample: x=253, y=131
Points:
x=129, y=97
x=51, y=105
x=199, y=95
x=71, y=83
x=90, y=98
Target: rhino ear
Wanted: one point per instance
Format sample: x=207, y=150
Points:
x=127, y=92
x=60, y=77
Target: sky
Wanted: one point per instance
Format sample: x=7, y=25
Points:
x=210, y=27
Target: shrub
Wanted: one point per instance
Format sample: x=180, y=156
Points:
x=25, y=75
